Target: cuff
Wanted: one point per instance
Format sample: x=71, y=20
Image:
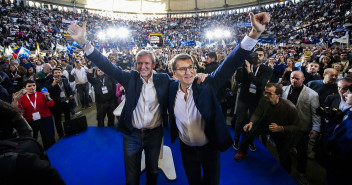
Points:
x=89, y=51
x=248, y=43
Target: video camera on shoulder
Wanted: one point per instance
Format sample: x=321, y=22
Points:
x=333, y=115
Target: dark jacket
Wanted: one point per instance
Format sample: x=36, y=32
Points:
x=209, y=68
x=133, y=84
x=260, y=80
x=97, y=83
x=55, y=90
x=204, y=96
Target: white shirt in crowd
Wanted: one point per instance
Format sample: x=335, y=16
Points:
x=80, y=75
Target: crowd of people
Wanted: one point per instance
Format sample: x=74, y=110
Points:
x=279, y=90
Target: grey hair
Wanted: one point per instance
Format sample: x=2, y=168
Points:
x=180, y=57
x=143, y=53
x=46, y=64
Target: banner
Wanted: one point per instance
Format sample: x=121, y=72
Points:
x=243, y=24
x=267, y=40
x=343, y=39
x=190, y=43
x=24, y=52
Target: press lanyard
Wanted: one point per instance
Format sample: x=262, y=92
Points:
x=35, y=101
x=103, y=81
x=256, y=71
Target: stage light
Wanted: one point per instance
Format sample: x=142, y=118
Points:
x=112, y=32
x=101, y=35
x=218, y=33
x=227, y=33
x=122, y=32
x=209, y=35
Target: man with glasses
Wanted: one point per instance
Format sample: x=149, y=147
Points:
x=306, y=101
x=195, y=114
x=276, y=116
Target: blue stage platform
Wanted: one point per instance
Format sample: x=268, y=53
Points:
x=96, y=157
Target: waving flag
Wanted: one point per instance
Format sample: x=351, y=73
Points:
x=24, y=52
x=37, y=52
x=16, y=49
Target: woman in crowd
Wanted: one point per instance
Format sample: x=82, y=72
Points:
x=324, y=63
x=16, y=76
x=30, y=74
x=35, y=107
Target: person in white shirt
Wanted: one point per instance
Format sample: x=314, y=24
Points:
x=80, y=74
x=195, y=114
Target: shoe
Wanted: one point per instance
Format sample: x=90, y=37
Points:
x=88, y=106
x=235, y=146
x=252, y=147
x=77, y=113
x=302, y=179
x=241, y=155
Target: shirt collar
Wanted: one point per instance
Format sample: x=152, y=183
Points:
x=189, y=89
x=150, y=80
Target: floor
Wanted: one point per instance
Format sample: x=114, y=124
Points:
x=315, y=173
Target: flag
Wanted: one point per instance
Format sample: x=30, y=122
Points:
x=3, y=50
x=170, y=43
x=223, y=44
x=37, y=52
x=24, y=52
x=104, y=53
x=343, y=39
x=11, y=53
x=16, y=49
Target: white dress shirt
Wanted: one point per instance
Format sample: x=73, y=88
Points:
x=80, y=75
x=147, y=113
x=189, y=121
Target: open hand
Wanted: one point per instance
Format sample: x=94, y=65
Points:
x=78, y=33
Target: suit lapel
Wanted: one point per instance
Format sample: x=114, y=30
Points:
x=139, y=85
x=301, y=94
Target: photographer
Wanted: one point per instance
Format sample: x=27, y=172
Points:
x=62, y=94
x=252, y=77
x=338, y=142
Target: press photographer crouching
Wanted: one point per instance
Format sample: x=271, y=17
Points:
x=338, y=142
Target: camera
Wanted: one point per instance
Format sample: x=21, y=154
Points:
x=333, y=115
x=253, y=58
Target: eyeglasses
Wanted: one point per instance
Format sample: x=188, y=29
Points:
x=184, y=69
x=269, y=93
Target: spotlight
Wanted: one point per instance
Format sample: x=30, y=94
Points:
x=123, y=32
x=112, y=32
x=209, y=35
x=101, y=35
x=227, y=33
x=218, y=33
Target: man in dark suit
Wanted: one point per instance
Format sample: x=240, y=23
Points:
x=61, y=92
x=252, y=78
x=195, y=115
x=339, y=100
x=145, y=110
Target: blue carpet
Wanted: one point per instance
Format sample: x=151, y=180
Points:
x=96, y=157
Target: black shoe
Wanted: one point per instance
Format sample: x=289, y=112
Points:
x=252, y=147
x=235, y=146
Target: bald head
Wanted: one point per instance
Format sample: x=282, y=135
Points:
x=330, y=76
x=297, y=79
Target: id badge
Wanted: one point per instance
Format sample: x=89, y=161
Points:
x=36, y=116
x=104, y=89
x=62, y=94
x=252, y=88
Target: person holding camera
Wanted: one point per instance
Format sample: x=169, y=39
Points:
x=35, y=107
x=338, y=144
x=252, y=78
x=275, y=116
x=62, y=94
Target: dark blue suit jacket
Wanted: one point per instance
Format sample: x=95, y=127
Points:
x=205, y=100
x=133, y=83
